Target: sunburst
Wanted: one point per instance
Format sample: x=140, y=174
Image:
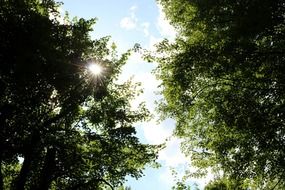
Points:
x=95, y=69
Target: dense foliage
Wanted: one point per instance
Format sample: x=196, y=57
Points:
x=60, y=126
x=223, y=81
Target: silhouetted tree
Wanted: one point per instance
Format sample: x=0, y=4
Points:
x=60, y=126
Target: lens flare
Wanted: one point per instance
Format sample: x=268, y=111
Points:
x=95, y=69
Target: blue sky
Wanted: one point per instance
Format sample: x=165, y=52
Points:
x=129, y=22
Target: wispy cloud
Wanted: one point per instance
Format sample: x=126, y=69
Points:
x=167, y=177
x=153, y=41
x=156, y=133
x=163, y=25
x=145, y=27
x=133, y=8
x=172, y=155
x=130, y=22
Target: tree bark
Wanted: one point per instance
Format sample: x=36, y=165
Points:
x=21, y=180
x=46, y=175
x=22, y=177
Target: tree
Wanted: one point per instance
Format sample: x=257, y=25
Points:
x=223, y=82
x=124, y=188
x=181, y=186
x=222, y=184
x=61, y=126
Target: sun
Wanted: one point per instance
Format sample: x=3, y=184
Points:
x=95, y=69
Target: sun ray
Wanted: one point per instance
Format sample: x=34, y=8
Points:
x=95, y=69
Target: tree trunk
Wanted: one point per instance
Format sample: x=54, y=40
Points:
x=48, y=170
x=26, y=167
x=22, y=177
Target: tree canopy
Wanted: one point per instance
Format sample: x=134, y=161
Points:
x=223, y=81
x=60, y=126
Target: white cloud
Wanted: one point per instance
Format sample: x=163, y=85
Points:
x=172, y=155
x=140, y=71
x=173, y=158
x=164, y=28
x=130, y=22
x=135, y=66
x=202, y=182
x=167, y=178
x=145, y=27
x=135, y=58
x=156, y=133
x=152, y=42
x=172, y=175
x=133, y=8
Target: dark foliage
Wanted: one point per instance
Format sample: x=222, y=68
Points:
x=60, y=126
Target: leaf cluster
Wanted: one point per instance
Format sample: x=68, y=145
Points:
x=223, y=82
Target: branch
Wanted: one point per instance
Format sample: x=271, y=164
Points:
x=278, y=181
x=107, y=183
x=276, y=184
x=90, y=182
